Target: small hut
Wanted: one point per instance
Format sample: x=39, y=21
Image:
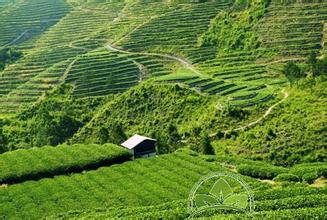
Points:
x=140, y=146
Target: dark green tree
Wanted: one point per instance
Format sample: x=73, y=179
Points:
x=8, y=55
x=2, y=138
x=161, y=145
x=312, y=60
x=173, y=136
x=206, y=145
x=293, y=72
x=117, y=133
x=103, y=135
x=320, y=67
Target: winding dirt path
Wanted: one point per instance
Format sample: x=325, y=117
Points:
x=184, y=62
x=189, y=66
x=265, y=115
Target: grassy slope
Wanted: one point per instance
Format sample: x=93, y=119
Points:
x=154, y=109
x=293, y=133
x=50, y=121
x=52, y=161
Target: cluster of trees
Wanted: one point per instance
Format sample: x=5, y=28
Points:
x=313, y=67
x=8, y=55
x=50, y=122
x=2, y=137
x=232, y=29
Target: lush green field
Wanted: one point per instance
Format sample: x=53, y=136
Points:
x=140, y=182
x=156, y=187
x=37, y=163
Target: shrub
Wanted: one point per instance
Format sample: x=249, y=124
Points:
x=309, y=172
x=320, y=67
x=8, y=55
x=293, y=72
x=287, y=177
x=309, y=177
x=232, y=30
x=262, y=172
x=206, y=145
x=51, y=161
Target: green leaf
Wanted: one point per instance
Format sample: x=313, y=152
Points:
x=204, y=200
x=221, y=190
x=238, y=200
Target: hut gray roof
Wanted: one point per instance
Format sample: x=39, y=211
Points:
x=135, y=140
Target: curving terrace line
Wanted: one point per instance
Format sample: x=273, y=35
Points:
x=265, y=115
x=184, y=62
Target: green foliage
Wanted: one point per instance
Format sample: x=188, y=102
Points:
x=2, y=137
x=312, y=60
x=232, y=30
x=51, y=121
x=167, y=139
x=236, y=112
x=166, y=112
x=315, y=67
x=113, y=133
x=293, y=72
x=293, y=132
x=50, y=161
x=143, y=182
x=206, y=145
x=320, y=67
x=8, y=55
x=287, y=177
x=288, y=192
x=262, y=172
x=169, y=112
x=309, y=172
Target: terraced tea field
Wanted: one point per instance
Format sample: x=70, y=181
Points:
x=247, y=79
x=22, y=165
x=176, y=31
x=293, y=30
x=27, y=80
x=45, y=65
x=27, y=19
x=267, y=201
x=159, y=188
x=79, y=32
x=76, y=33
x=102, y=72
x=91, y=189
